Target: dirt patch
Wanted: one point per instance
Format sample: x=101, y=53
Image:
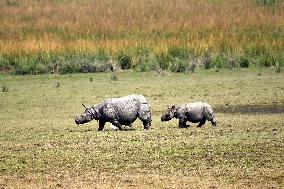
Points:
x=251, y=109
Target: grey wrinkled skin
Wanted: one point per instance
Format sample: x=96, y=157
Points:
x=197, y=112
x=118, y=111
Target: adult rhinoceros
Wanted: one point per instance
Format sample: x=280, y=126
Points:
x=192, y=112
x=118, y=111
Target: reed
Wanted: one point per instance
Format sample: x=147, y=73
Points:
x=50, y=28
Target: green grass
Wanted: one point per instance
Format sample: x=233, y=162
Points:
x=42, y=147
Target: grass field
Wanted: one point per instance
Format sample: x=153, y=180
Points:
x=41, y=147
x=228, y=53
x=70, y=36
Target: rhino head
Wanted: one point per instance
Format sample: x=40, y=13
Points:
x=88, y=115
x=170, y=114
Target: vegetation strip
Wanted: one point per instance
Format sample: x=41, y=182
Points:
x=177, y=35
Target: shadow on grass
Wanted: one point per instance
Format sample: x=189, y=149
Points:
x=95, y=129
x=251, y=109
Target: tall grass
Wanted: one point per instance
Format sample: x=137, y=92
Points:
x=41, y=36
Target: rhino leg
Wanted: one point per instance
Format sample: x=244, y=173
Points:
x=144, y=114
x=117, y=124
x=182, y=123
x=202, y=122
x=213, y=121
x=147, y=124
x=101, y=125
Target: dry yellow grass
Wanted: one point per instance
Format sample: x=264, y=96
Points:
x=52, y=26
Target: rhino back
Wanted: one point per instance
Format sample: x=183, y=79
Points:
x=124, y=109
x=194, y=111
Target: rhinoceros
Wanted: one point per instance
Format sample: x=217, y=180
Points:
x=197, y=112
x=118, y=111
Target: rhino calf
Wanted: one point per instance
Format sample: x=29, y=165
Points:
x=197, y=112
x=118, y=111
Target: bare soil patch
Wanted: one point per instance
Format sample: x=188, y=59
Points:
x=251, y=109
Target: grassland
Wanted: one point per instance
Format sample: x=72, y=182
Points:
x=41, y=147
x=74, y=36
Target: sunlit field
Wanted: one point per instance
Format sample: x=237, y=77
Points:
x=74, y=36
x=41, y=147
x=57, y=54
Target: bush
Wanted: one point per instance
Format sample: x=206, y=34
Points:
x=262, y=56
x=69, y=67
x=87, y=67
x=179, y=66
x=163, y=61
x=207, y=62
x=232, y=63
x=143, y=67
x=30, y=67
x=178, y=52
x=5, y=64
x=124, y=61
x=101, y=55
x=219, y=62
x=141, y=59
x=243, y=62
x=267, y=60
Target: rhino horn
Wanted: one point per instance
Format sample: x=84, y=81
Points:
x=84, y=106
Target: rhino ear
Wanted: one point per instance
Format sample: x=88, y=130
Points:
x=173, y=107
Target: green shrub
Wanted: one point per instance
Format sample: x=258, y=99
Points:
x=267, y=60
x=69, y=67
x=179, y=66
x=87, y=67
x=207, y=62
x=124, y=61
x=261, y=56
x=163, y=61
x=243, y=62
x=219, y=61
x=30, y=67
x=232, y=63
x=101, y=55
x=177, y=59
x=178, y=52
x=5, y=64
x=143, y=67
